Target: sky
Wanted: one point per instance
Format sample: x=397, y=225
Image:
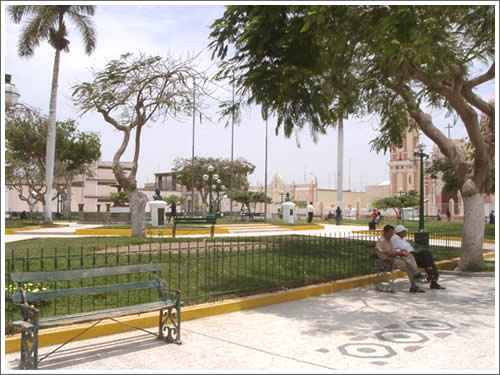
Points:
x=183, y=30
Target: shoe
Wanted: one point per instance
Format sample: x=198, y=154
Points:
x=435, y=285
x=416, y=289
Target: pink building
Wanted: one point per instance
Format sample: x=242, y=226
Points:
x=92, y=192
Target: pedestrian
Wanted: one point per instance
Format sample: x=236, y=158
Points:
x=374, y=215
x=448, y=214
x=438, y=216
x=492, y=217
x=378, y=217
x=173, y=210
x=310, y=212
x=338, y=215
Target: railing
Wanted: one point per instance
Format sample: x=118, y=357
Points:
x=209, y=269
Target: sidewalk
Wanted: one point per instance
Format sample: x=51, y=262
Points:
x=356, y=330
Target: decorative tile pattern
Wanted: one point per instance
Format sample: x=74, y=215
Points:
x=430, y=325
x=367, y=350
x=323, y=350
x=413, y=348
x=378, y=363
x=442, y=334
x=401, y=336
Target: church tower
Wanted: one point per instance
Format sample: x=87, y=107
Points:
x=404, y=171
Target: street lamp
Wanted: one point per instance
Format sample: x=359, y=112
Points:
x=424, y=237
x=218, y=187
x=11, y=92
x=208, y=177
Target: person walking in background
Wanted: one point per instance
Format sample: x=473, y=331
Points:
x=310, y=212
x=338, y=215
x=173, y=210
x=492, y=217
x=448, y=214
x=438, y=216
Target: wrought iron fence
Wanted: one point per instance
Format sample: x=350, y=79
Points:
x=209, y=269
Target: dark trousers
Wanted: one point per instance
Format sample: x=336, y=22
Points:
x=424, y=259
x=309, y=217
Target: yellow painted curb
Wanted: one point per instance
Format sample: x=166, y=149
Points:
x=54, y=336
x=32, y=227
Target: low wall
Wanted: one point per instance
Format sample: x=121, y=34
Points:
x=104, y=217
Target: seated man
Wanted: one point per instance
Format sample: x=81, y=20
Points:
x=423, y=258
x=400, y=258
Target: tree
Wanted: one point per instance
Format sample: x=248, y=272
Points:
x=129, y=93
x=241, y=169
x=173, y=198
x=25, y=134
x=119, y=198
x=48, y=24
x=411, y=199
x=315, y=64
x=246, y=198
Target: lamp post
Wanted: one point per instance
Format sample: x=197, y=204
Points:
x=11, y=92
x=422, y=237
x=209, y=177
x=218, y=187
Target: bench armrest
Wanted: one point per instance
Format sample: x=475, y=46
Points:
x=29, y=313
x=165, y=292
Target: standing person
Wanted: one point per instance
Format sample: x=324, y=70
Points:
x=492, y=217
x=378, y=217
x=423, y=258
x=338, y=215
x=438, y=217
x=374, y=215
x=400, y=258
x=448, y=214
x=173, y=210
x=310, y=212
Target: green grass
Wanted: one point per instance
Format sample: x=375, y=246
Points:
x=452, y=228
x=210, y=269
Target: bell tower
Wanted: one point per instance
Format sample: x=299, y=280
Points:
x=404, y=171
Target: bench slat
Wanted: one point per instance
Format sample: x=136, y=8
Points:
x=51, y=294
x=89, y=316
x=24, y=277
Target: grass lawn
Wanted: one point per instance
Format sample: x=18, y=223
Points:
x=452, y=228
x=205, y=269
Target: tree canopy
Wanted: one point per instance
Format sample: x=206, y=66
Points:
x=411, y=199
x=25, y=135
x=241, y=168
x=316, y=64
x=131, y=92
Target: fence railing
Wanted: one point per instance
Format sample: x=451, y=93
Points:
x=209, y=269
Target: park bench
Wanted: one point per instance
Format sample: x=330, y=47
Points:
x=212, y=220
x=169, y=305
x=383, y=267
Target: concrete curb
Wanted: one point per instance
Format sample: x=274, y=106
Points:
x=53, y=336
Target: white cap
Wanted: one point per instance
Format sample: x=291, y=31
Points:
x=400, y=229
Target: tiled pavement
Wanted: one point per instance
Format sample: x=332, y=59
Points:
x=356, y=330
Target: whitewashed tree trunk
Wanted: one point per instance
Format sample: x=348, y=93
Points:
x=471, y=253
x=137, y=203
x=51, y=142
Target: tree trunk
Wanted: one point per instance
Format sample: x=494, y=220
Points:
x=137, y=202
x=471, y=253
x=67, y=200
x=51, y=143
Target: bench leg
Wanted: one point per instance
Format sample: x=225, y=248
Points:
x=381, y=282
x=173, y=231
x=212, y=230
x=170, y=333
x=29, y=348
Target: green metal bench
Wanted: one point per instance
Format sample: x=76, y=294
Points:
x=212, y=220
x=169, y=305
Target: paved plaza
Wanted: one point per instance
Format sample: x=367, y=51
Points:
x=356, y=330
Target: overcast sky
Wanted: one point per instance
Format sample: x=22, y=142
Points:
x=182, y=30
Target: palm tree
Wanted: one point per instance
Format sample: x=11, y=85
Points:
x=47, y=23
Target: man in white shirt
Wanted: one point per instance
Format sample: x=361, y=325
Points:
x=310, y=212
x=423, y=258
